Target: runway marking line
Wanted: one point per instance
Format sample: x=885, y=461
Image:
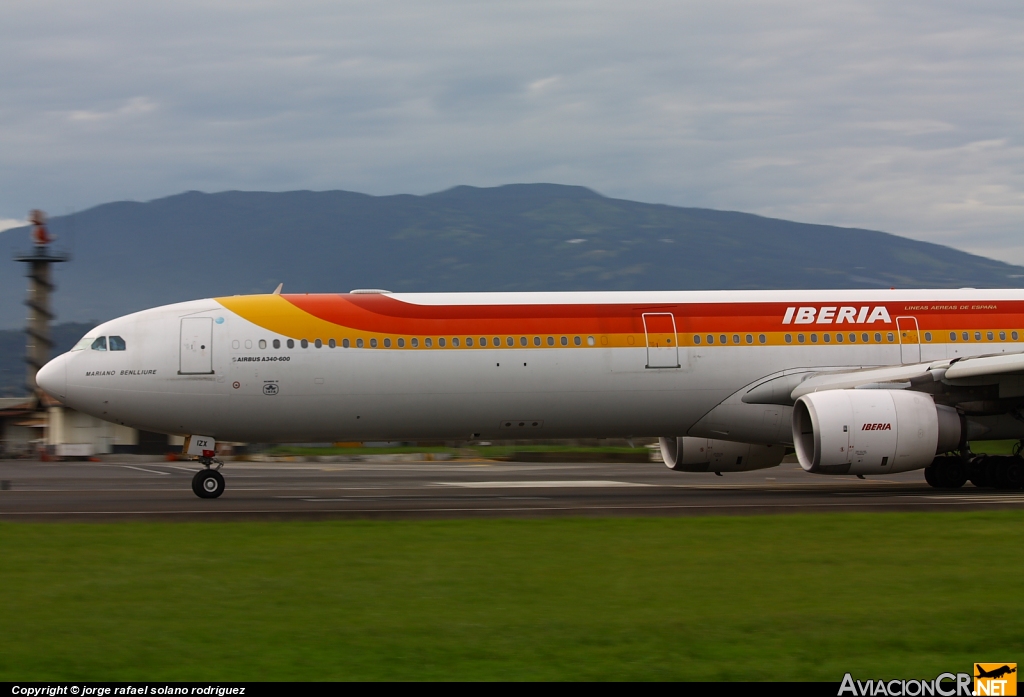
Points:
x=140, y=469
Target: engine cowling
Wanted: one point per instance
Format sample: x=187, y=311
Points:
x=710, y=455
x=872, y=431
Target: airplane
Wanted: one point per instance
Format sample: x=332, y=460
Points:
x=858, y=382
x=995, y=673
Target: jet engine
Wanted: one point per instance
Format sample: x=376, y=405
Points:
x=710, y=455
x=872, y=431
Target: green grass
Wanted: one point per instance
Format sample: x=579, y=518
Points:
x=993, y=447
x=804, y=597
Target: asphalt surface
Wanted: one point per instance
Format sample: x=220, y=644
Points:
x=160, y=490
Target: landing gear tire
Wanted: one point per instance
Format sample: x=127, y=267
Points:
x=980, y=472
x=946, y=473
x=1015, y=473
x=208, y=484
x=1007, y=473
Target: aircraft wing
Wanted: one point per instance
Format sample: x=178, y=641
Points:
x=959, y=378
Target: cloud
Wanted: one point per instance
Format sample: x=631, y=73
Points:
x=9, y=223
x=902, y=117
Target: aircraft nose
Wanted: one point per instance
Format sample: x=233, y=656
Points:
x=53, y=378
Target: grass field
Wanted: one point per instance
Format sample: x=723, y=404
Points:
x=804, y=597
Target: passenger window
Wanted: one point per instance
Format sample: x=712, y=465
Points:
x=735, y=338
x=551, y=341
x=839, y=338
x=853, y=338
x=344, y=343
x=1013, y=335
x=927, y=336
x=696, y=338
x=827, y=338
x=497, y=341
x=889, y=337
x=373, y=343
x=318, y=343
x=814, y=338
x=263, y=343
x=510, y=341
x=536, y=341
x=522, y=341
x=977, y=336
x=117, y=343
x=576, y=340
x=455, y=341
x=483, y=341
x=304, y=343
x=800, y=338
x=428, y=342
x=723, y=339
x=965, y=336
x=387, y=343
x=291, y=343
x=441, y=342
x=590, y=341
x=277, y=343
x=469, y=341
x=248, y=343
x=401, y=343
x=789, y=338
x=359, y=343
x=750, y=339
x=987, y=336
x=100, y=344
x=864, y=337
x=332, y=343
x=564, y=341
x=878, y=338
x=1002, y=336
x=414, y=342
x=761, y=338
x=235, y=344
x=952, y=336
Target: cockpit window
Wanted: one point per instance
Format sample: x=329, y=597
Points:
x=100, y=344
x=116, y=343
x=83, y=343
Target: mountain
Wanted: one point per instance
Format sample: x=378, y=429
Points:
x=129, y=256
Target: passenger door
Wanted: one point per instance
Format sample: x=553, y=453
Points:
x=662, y=340
x=196, y=347
x=910, y=339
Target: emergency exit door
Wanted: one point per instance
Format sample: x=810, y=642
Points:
x=910, y=339
x=196, y=347
x=662, y=340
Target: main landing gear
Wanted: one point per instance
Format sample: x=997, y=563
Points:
x=208, y=483
x=983, y=471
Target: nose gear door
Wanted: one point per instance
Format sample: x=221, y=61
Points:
x=196, y=346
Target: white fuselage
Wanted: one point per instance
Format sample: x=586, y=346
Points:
x=604, y=386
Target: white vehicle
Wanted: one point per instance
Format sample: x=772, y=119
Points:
x=858, y=382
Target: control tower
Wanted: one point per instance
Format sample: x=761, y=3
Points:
x=40, y=286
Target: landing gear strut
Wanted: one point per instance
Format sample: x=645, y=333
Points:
x=208, y=483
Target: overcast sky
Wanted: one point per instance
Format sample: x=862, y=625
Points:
x=904, y=117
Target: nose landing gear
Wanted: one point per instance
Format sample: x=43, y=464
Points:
x=207, y=483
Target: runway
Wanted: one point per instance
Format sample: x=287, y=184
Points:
x=157, y=490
